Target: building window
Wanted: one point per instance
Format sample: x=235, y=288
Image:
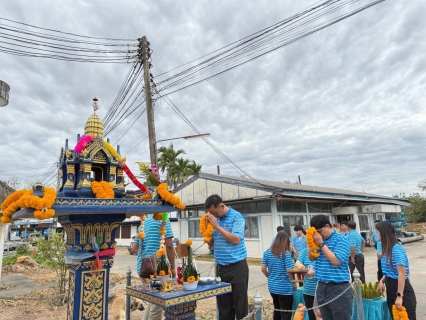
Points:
x=125, y=232
x=319, y=207
x=290, y=221
x=363, y=222
x=251, y=228
x=117, y=233
x=194, y=229
x=291, y=206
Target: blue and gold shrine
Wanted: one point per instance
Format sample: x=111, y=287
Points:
x=85, y=218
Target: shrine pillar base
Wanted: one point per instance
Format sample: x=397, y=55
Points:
x=184, y=311
x=88, y=290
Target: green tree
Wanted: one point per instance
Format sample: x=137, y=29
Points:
x=194, y=168
x=167, y=157
x=53, y=252
x=180, y=171
x=417, y=211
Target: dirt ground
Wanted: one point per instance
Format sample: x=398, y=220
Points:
x=50, y=307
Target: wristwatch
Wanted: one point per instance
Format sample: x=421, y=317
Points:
x=322, y=244
x=399, y=294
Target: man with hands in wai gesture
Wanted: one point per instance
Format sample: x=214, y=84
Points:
x=331, y=270
x=230, y=254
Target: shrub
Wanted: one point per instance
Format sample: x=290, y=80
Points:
x=24, y=250
x=52, y=254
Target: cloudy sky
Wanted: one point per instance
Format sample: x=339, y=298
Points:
x=342, y=108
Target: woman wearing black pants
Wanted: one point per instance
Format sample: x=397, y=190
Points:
x=396, y=271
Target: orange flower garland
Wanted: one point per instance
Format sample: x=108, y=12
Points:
x=190, y=279
x=102, y=190
x=141, y=233
x=169, y=197
x=311, y=243
x=206, y=229
x=399, y=314
x=25, y=199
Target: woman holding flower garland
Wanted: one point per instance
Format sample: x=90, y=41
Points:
x=396, y=270
x=276, y=260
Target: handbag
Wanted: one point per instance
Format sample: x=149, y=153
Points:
x=149, y=264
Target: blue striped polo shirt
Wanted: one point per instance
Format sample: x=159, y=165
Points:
x=278, y=280
x=379, y=248
x=299, y=243
x=324, y=270
x=355, y=240
x=151, y=242
x=224, y=251
x=310, y=285
x=399, y=258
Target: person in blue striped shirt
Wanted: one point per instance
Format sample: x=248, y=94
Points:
x=230, y=254
x=276, y=260
x=310, y=284
x=357, y=244
x=377, y=243
x=396, y=271
x=298, y=241
x=331, y=270
x=150, y=245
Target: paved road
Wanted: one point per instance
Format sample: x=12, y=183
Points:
x=416, y=252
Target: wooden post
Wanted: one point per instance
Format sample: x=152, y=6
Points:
x=144, y=59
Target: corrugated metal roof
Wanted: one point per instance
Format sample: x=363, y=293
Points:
x=296, y=189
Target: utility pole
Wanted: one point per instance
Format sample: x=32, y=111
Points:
x=144, y=55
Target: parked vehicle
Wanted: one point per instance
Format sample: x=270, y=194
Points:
x=32, y=237
x=14, y=237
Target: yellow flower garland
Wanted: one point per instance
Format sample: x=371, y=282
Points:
x=399, y=314
x=102, y=190
x=169, y=197
x=311, y=243
x=25, y=199
x=206, y=229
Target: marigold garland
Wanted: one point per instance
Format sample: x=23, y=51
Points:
x=399, y=314
x=169, y=197
x=25, y=199
x=188, y=242
x=206, y=228
x=311, y=243
x=102, y=190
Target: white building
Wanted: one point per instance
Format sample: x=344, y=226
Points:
x=266, y=205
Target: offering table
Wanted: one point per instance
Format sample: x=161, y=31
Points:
x=179, y=304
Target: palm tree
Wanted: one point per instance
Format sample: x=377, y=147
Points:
x=167, y=158
x=194, y=168
x=180, y=171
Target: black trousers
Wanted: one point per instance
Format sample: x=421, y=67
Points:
x=283, y=302
x=234, y=305
x=309, y=303
x=408, y=301
x=359, y=265
x=379, y=270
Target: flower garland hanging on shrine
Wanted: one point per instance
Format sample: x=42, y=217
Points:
x=102, y=190
x=311, y=243
x=169, y=197
x=25, y=199
x=206, y=229
x=141, y=233
x=399, y=314
x=163, y=266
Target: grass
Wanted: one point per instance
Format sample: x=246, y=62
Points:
x=210, y=258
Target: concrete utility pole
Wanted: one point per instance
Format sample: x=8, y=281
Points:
x=144, y=55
